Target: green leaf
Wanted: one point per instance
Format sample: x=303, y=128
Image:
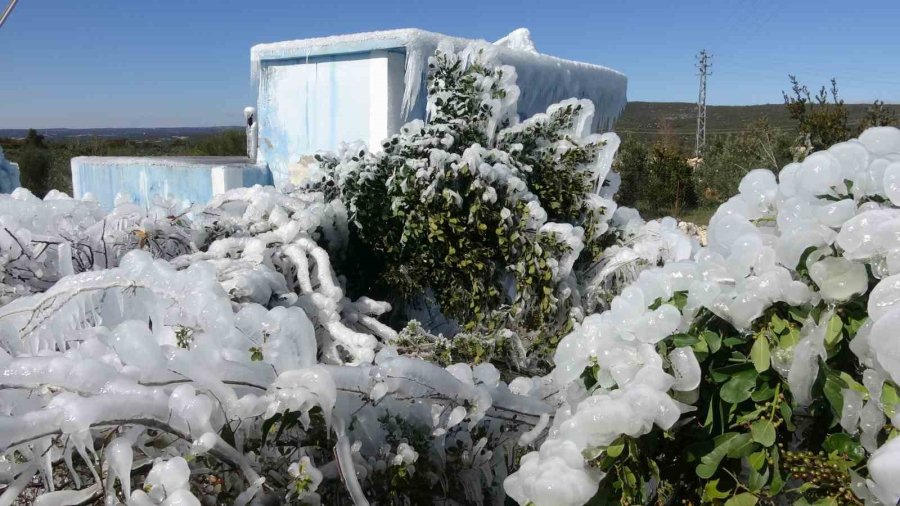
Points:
x=834, y=390
x=801, y=265
x=725, y=443
x=778, y=325
x=743, y=499
x=757, y=459
x=889, y=399
x=743, y=450
x=738, y=388
x=763, y=393
x=679, y=300
x=760, y=354
x=756, y=481
x=853, y=384
x=763, y=432
x=723, y=374
x=751, y=416
x=787, y=414
x=682, y=340
x=833, y=332
x=592, y=452
x=843, y=444
x=777, y=480
x=701, y=349
x=615, y=449
x=589, y=376
x=790, y=338
x=731, y=342
x=713, y=340
x=711, y=492
x=853, y=325
x=267, y=426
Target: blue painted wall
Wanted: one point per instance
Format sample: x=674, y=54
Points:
x=9, y=175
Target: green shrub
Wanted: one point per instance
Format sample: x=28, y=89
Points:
x=656, y=180
x=728, y=158
x=821, y=122
x=487, y=217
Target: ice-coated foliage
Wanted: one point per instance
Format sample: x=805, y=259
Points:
x=44, y=240
x=783, y=330
x=212, y=355
x=493, y=222
x=229, y=356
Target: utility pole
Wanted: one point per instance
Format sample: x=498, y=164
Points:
x=703, y=65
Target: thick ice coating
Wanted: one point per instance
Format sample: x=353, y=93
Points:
x=757, y=240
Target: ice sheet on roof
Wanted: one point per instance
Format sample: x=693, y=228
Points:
x=543, y=79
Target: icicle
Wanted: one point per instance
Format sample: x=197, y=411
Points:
x=64, y=254
x=15, y=488
x=68, y=497
x=119, y=455
x=529, y=437
x=344, y=458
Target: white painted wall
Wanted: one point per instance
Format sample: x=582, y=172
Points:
x=306, y=106
x=386, y=85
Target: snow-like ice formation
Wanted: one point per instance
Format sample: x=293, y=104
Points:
x=191, y=342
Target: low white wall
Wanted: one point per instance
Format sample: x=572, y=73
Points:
x=189, y=179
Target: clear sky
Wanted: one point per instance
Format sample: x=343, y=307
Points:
x=149, y=63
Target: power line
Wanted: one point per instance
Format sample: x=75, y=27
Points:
x=703, y=65
x=7, y=12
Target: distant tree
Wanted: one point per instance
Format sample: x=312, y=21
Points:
x=877, y=114
x=821, y=119
x=728, y=158
x=656, y=180
x=670, y=185
x=35, y=161
x=632, y=163
x=34, y=139
x=226, y=143
x=666, y=134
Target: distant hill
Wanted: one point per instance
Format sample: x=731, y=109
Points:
x=680, y=118
x=643, y=119
x=150, y=134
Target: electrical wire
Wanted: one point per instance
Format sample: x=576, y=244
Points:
x=7, y=11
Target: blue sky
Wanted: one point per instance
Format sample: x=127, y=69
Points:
x=146, y=63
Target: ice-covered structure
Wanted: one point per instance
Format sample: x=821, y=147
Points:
x=194, y=179
x=313, y=94
x=9, y=174
x=317, y=93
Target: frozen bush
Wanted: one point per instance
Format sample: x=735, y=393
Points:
x=779, y=361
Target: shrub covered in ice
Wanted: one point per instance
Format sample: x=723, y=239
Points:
x=177, y=355
x=239, y=353
x=767, y=358
x=492, y=221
